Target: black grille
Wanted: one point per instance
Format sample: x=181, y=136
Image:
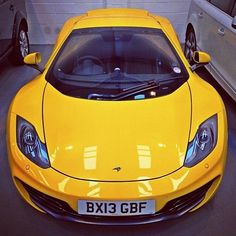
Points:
x=173, y=209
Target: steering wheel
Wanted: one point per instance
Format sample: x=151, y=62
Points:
x=96, y=60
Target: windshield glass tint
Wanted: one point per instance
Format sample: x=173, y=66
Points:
x=106, y=62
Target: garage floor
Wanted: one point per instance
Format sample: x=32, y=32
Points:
x=218, y=217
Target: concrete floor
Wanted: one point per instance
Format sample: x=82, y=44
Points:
x=218, y=217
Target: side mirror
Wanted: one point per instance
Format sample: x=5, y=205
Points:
x=200, y=59
x=33, y=60
x=234, y=22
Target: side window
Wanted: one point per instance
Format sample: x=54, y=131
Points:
x=225, y=5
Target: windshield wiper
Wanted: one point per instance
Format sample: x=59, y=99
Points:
x=152, y=84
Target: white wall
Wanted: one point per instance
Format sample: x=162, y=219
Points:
x=46, y=17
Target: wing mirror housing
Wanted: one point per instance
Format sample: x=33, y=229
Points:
x=33, y=60
x=234, y=22
x=200, y=59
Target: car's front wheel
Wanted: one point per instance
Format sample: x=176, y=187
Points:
x=190, y=45
x=21, y=47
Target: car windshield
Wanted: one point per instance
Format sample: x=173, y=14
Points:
x=104, y=63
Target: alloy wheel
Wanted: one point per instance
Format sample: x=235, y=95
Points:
x=190, y=46
x=23, y=41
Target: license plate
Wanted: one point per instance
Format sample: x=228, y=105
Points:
x=116, y=208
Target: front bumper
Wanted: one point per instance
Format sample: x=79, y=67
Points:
x=173, y=209
x=56, y=194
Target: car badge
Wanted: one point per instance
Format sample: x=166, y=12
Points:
x=118, y=168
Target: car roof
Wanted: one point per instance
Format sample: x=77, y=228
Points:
x=117, y=17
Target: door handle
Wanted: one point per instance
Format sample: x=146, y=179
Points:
x=11, y=8
x=200, y=14
x=221, y=31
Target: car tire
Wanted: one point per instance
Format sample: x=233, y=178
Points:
x=21, y=47
x=190, y=45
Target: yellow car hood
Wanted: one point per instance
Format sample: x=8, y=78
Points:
x=117, y=140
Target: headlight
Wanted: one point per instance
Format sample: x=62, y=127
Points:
x=203, y=142
x=29, y=143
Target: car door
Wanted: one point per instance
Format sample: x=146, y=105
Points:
x=222, y=41
x=6, y=24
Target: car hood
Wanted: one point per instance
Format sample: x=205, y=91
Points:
x=117, y=140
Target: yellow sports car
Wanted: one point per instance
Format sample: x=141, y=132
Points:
x=117, y=128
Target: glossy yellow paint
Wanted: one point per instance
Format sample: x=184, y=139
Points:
x=86, y=139
x=108, y=134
